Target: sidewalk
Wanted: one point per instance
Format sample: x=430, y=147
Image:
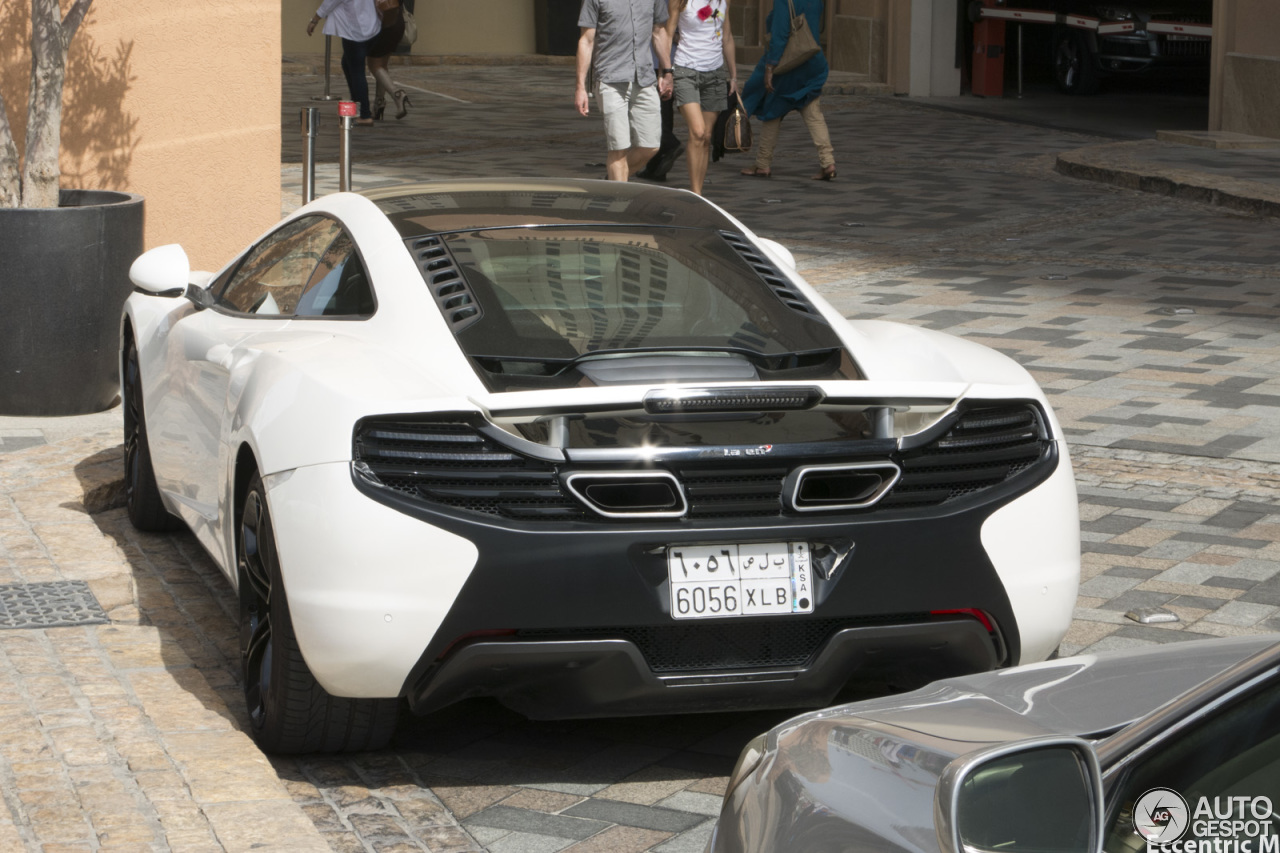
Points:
x=1150, y=321
x=113, y=734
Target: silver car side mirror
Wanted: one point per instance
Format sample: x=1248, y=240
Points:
x=163, y=271
x=1042, y=794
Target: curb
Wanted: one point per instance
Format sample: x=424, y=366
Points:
x=102, y=481
x=1120, y=164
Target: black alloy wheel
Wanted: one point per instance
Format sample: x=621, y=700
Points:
x=289, y=712
x=142, y=496
x=1075, y=69
x=255, y=608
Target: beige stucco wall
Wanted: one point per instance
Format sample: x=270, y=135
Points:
x=452, y=27
x=1246, y=67
x=178, y=102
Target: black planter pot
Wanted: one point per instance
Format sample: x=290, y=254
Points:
x=64, y=277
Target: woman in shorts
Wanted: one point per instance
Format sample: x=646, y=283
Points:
x=704, y=73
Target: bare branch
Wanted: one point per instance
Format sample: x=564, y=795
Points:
x=71, y=22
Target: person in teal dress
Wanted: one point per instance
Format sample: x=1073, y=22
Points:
x=769, y=97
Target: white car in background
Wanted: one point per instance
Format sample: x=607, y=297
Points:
x=589, y=448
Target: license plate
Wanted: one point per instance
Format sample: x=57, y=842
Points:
x=714, y=581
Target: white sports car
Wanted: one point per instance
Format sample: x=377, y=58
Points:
x=589, y=448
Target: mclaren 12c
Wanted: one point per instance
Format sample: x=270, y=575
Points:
x=589, y=448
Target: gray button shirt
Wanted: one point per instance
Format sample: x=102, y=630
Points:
x=624, y=34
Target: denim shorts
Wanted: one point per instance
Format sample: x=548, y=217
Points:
x=708, y=88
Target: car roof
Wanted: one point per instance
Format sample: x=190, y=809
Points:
x=436, y=207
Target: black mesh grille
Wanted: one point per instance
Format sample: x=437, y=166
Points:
x=748, y=644
x=1199, y=47
x=985, y=447
x=454, y=465
x=732, y=492
x=1137, y=48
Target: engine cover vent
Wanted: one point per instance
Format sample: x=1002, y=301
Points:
x=452, y=293
x=763, y=267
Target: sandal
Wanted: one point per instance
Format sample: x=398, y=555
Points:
x=827, y=174
x=756, y=172
x=402, y=103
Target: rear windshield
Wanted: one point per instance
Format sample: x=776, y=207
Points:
x=559, y=293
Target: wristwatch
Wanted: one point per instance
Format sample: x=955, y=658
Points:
x=666, y=70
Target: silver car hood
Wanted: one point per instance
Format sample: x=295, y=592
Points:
x=1088, y=695
x=862, y=776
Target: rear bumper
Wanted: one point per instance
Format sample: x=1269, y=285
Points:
x=608, y=676
x=387, y=598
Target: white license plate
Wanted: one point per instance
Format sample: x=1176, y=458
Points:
x=714, y=581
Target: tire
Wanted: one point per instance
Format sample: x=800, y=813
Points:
x=289, y=712
x=142, y=497
x=1075, y=68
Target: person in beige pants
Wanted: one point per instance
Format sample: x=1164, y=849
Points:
x=770, y=97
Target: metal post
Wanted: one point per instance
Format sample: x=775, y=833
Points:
x=1019, y=60
x=310, y=124
x=346, y=118
x=328, y=55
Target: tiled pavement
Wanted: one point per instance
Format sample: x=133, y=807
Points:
x=1148, y=320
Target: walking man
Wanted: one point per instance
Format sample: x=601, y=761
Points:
x=619, y=40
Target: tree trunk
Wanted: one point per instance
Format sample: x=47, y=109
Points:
x=48, y=71
x=50, y=37
x=10, y=186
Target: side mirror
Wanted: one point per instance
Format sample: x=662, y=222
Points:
x=780, y=253
x=163, y=271
x=1042, y=795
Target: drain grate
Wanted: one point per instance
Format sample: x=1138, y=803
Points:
x=57, y=604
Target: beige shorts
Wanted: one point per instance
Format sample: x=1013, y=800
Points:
x=632, y=115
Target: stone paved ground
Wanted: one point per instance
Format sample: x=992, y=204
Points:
x=113, y=734
x=1149, y=321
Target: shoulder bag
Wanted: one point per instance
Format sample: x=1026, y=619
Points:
x=801, y=45
x=410, y=27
